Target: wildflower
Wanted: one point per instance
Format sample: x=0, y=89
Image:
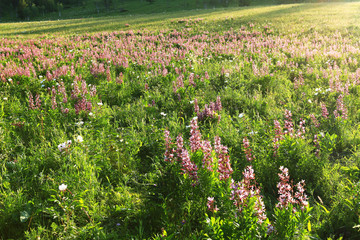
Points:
x=247, y=149
x=324, y=110
x=163, y=114
x=100, y=104
x=241, y=115
x=288, y=123
x=314, y=120
x=301, y=129
x=61, y=146
x=62, y=187
x=300, y=195
x=224, y=167
x=64, y=145
x=195, y=138
x=79, y=139
x=284, y=189
x=80, y=123
x=5, y=98
x=246, y=189
x=207, y=159
x=91, y=114
x=270, y=229
x=210, y=205
x=188, y=167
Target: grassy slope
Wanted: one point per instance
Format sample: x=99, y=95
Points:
x=295, y=18
x=131, y=7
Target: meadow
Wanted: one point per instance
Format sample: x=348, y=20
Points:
x=237, y=123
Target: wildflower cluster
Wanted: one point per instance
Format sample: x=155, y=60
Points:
x=210, y=111
x=286, y=194
x=246, y=190
x=64, y=146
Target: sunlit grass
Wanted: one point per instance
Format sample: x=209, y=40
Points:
x=293, y=18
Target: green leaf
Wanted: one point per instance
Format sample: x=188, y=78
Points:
x=24, y=216
x=327, y=211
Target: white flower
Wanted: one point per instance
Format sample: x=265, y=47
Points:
x=163, y=114
x=309, y=101
x=61, y=146
x=91, y=114
x=5, y=98
x=328, y=90
x=68, y=142
x=79, y=139
x=79, y=123
x=241, y=115
x=99, y=103
x=191, y=102
x=62, y=187
x=227, y=74
x=9, y=79
x=315, y=93
x=195, y=118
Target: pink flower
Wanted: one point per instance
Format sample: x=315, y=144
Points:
x=195, y=136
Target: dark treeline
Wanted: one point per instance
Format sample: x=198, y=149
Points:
x=28, y=9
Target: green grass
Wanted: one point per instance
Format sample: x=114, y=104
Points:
x=291, y=18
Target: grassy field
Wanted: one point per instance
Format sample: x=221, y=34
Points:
x=236, y=123
x=290, y=18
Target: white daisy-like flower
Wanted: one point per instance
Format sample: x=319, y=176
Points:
x=61, y=146
x=5, y=98
x=79, y=139
x=309, y=101
x=91, y=114
x=99, y=103
x=241, y=115
x=62, y=187
x=163, y=114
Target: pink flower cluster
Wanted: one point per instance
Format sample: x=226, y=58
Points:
x=211, y=205
x=188, y=167
x=286, y=192
x=195, y=136
x=247, y=150
x=210, y=111
x=37, y=104
x=340, y=108
x=224, y=167
x=242, y=191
